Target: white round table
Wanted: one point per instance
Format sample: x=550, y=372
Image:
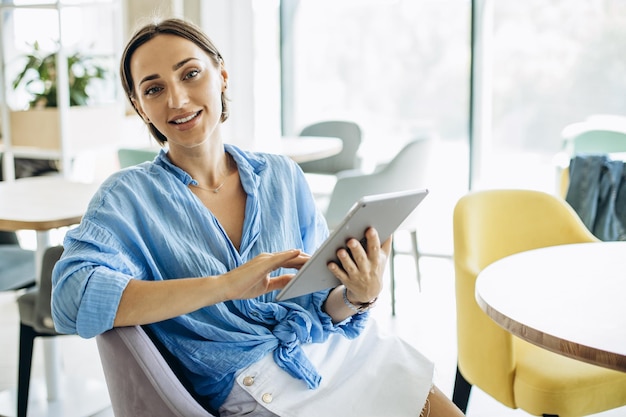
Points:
x=569, y=299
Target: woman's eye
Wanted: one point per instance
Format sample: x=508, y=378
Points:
x=192, y=74
x=150, y=91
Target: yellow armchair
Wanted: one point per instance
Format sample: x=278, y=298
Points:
x=489, y=225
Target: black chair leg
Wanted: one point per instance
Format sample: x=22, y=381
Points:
x=27, y=339
x=462, y=390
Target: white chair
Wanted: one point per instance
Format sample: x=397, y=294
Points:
x=598, y=134
x=407, y=170
x=350, y=135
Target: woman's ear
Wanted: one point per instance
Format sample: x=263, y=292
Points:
x=139, y=111
x=224, y=78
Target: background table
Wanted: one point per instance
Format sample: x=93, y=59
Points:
x=310, y=148
x=298, y=148
x=304, y=148
x=42, y=204
x=569, y=299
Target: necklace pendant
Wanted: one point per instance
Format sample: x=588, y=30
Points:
x=217, y=190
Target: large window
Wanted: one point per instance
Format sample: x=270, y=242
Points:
x=396, y=67
x=553, y=63
x=402, y=67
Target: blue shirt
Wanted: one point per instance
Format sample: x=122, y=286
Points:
x=145, y=223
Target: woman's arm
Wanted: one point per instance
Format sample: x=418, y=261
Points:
x=146, y=302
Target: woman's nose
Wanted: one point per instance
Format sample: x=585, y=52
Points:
x=178, y=97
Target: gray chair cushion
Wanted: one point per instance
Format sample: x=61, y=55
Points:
x=34, y=306
x=140, y=381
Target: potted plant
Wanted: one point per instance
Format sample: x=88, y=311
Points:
x=39, y=77
x=38, y=126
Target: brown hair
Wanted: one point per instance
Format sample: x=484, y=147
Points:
x=176, y=27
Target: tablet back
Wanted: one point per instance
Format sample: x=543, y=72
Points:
x=385, y=212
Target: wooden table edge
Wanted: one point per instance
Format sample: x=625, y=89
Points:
x=39, y=225
x=584, y=353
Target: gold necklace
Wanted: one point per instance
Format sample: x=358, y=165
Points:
x=219, y=187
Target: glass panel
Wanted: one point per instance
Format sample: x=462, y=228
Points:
x=89, y=35
x=267, y=68
x=399, y=68
x=554, y=63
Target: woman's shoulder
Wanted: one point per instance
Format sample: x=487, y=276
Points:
x=131, y=184
x=130, y=176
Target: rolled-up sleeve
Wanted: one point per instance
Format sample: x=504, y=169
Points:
x=88, y=281
x=85, y=302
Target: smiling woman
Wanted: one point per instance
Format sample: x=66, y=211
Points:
x=195, y=244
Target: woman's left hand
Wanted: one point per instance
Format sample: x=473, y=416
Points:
x=362, y=268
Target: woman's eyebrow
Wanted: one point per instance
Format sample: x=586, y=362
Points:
x=148, y=78
x=174, y=68
x=181, y=63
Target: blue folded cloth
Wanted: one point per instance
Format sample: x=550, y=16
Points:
x=597, y=192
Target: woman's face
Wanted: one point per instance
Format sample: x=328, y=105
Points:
x=178, y=89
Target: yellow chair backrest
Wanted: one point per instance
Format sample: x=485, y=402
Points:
x=489, y=225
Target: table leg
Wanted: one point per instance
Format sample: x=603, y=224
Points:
x=51, y=354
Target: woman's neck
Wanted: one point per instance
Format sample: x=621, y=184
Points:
x=208, y=165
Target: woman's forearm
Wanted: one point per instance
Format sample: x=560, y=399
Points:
x=146, y=302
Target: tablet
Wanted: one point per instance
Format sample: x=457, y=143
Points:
x=385, y=212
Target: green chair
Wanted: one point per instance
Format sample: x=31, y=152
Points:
x=132, y=156
x=601, y=134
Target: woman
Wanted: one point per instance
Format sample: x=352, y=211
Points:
x=194, y=244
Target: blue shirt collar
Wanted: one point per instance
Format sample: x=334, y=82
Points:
x=250, y=165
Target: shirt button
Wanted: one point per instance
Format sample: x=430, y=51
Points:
x=267, y=398
x=248, y=381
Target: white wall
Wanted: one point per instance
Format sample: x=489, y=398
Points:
x=230, y=25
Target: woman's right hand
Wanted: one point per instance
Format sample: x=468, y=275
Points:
x=253, y=279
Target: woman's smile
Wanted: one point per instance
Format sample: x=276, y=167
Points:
x=186, y=121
